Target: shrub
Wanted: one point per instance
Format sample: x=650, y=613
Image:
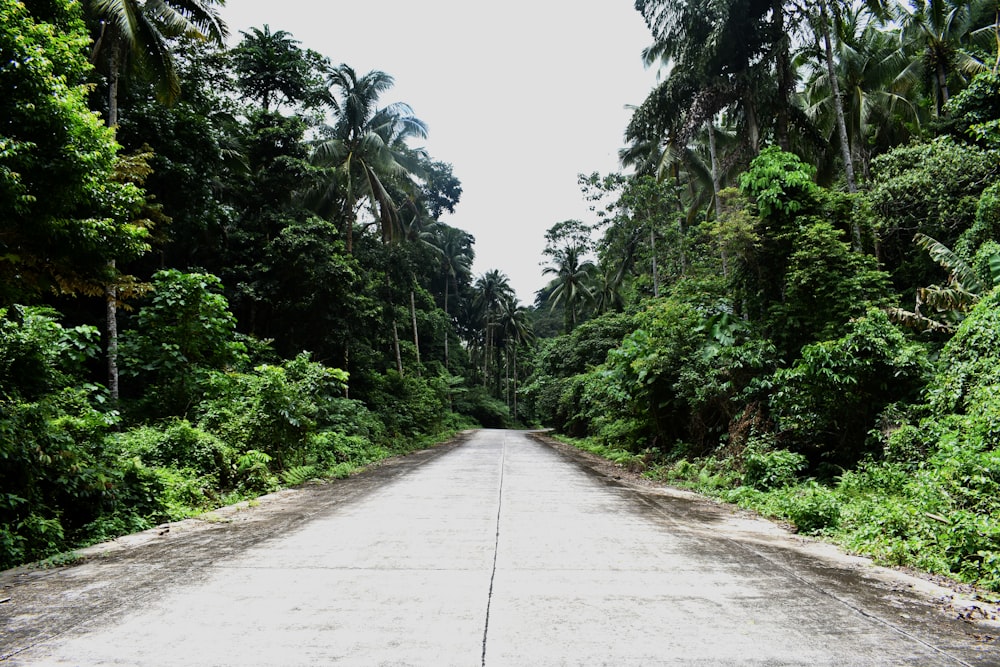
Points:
x=489, y=412
x=183, y=330
x=408, y=405
x=765, y=470
x=811, y=507
x=253, y=471
x=177, y=444
x=827, y=403
x=274, y=409
x=332, y=448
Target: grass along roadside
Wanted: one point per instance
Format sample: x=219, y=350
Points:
x=939, y=517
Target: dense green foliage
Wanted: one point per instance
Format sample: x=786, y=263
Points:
x=801, y=325
x=790, y=302
x=65, y=213
x=288, y=305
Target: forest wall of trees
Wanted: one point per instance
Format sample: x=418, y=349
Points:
x=792, y=301
x=221, y=271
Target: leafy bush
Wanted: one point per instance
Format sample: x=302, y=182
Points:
x=253, y=471
x=826, y=403
x=970, y=362
x=332, y=448
x=408, y=405
x=489, y=412
x=183, y=330
x=176, y=444
x=274, y=409
x=933, y=188
x=641, y=376
x=771, y=469
x=779, y=183
x=811, y=507
x=55, y=476
x=40, y=355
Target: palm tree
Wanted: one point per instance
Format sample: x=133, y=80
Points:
x=608, y=293
x=366, y=152
x=572, y=283
x=824, y=22
x=134, y=38
x=946, y=40
x=456, y=254
x=491, y=289
x=876, y=86
x=515, y=330
x=721, y=55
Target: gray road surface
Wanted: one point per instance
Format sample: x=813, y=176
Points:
x=499, y=550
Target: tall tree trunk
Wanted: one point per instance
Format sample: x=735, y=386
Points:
x=506, y=378
x=416, y=338
x=515, y=384
x=111, y=316
x=114, y=76
x=347, y=367
x=753, y=127
x=784, y=70
x=838, y=106
x=713, y=153
x=349, y=235
x=395, y=343
x=111, y=291
x=942, y=77
x=486, y=353
x=652, y=248
x=447, y=366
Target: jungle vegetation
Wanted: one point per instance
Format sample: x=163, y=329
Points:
x=788, y=298
x=221, y=271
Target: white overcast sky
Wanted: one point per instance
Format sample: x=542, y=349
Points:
x=519, y=96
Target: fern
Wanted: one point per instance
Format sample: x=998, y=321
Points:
x=299, y=475
x=253, y=459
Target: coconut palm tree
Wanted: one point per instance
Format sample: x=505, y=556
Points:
x=946, y=41
x=515, y=329
x=454, y=247
x=491, y=289
x=366, y=154
x=874, y=85
x=134, y=38
x=572, y=285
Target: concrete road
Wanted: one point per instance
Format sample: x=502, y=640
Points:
x=499, y=550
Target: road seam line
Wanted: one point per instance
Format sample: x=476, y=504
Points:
x=496, y=549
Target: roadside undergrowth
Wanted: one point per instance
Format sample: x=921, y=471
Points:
x=937, y=516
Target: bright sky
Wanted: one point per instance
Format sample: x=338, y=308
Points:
x=519, y=96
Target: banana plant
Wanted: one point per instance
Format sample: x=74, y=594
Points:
x=952, y=300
